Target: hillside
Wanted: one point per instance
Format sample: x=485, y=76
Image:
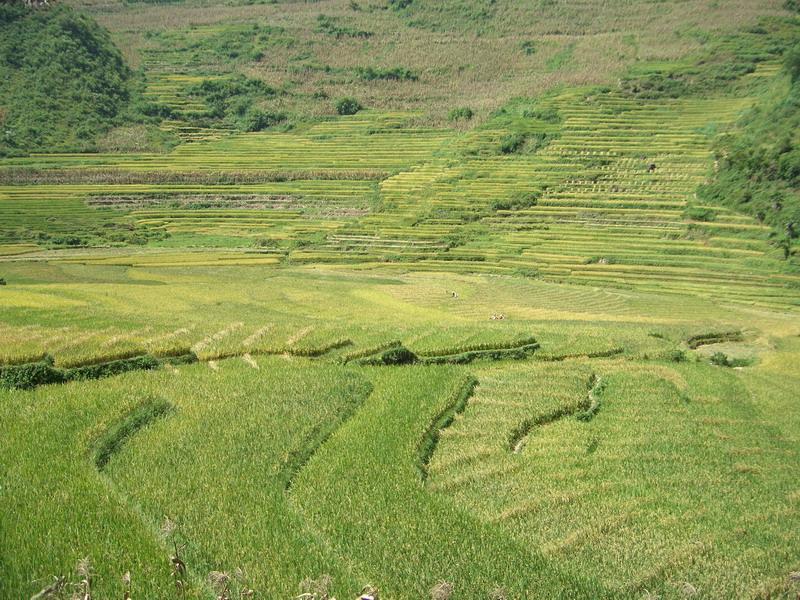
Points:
x=462, y=299
x=63, y=82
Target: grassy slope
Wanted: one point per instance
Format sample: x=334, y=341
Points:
x=759, y=160
x=486, y=518
x=479, y=51
x=621, y=495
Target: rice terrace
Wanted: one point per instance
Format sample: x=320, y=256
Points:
x=400, y=299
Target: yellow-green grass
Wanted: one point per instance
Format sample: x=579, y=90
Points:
x=85, y=311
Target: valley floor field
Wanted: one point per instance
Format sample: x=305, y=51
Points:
x=552, y=469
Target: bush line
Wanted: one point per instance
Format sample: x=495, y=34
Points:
x=599, y=354
x=486, y=346
x=517, y=353
x=714, y=337
x=398, y=354
x=31, y=375
x=371, y=350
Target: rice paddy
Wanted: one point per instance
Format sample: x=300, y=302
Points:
x=513, y=358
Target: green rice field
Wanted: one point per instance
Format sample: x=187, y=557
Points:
x=398, y=354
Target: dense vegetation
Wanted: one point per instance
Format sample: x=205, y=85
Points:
x=759, y=160
x=63, y=82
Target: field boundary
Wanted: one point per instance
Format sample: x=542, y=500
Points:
x=584, y=410
x=430, y=439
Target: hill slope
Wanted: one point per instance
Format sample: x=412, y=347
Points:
x=62, y=80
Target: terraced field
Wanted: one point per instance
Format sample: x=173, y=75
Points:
x=507, y=355
x=570, y=472
x=600, y=215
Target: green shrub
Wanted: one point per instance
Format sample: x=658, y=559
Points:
x=548, y=115
x=720, y=359
x=28, y=376
x=256, y=119
x=398, y=355
x=463, y=112
x=393, y=74
x=677, y=355
x=700, y=213
x=330, y=26
x=759, y=161
x=62, y=80
x=347, y=106
x=230, y=98
x=528, y=47
x=518, y=201
x=792, y=62
x=512, y=143
x=114, y=367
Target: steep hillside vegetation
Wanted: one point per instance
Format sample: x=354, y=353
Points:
x=63, y=82
x=759, y=160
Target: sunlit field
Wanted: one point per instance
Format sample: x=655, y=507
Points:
x=509, y=325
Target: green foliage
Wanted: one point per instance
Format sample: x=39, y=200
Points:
x=111, y=368
x=518, y=201
x=62, y=80
x=548, y=115
x=792, y=62
x=331, y=26
x=517, y=142
x=714, y=337
x=461, y=113
x=392, y=74
x=233, y=44
x=234, y=102
x=113, y=439
x=30, y=375
x=512, y=142
x=528, y=47
x=27, y=376
x=723, y=360
x=347, y=106
x=397, y=355
x=699, y=213
x=519, y=352
x=759, y=163
x=724, y=61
